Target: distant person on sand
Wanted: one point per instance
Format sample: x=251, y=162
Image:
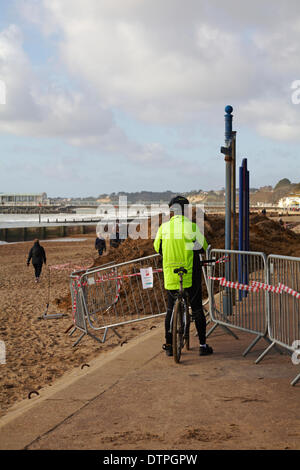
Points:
x=100, y=245
x=38, y=256
x=115, y=242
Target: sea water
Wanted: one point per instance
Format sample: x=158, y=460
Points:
x=36, y=220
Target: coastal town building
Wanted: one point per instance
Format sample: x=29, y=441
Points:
x=20, y=199
x=290, y=202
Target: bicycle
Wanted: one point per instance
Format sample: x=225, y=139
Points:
x=181, y=317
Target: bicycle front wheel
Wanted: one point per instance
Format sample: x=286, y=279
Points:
x=186, y=321
x=177, y=330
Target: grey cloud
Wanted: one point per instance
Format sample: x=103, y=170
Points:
x=166, y=61
x=170, y=62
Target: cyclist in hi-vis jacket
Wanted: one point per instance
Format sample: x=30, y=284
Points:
x=180, y=242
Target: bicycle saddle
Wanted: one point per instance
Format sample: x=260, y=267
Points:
x=180, y=270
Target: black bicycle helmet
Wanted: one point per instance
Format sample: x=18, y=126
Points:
x=180, y=200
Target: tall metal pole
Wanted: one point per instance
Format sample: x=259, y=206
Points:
x=241, y=225
x=244, y=281
x=228, y=159
x=247, y=238
x=227, y=307
x=233, y=210
x=233, y=192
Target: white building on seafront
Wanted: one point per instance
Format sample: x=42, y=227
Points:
x=20, y=199
x=290, y=202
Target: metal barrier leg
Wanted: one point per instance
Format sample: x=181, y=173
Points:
x=296, y=380
x=79, y=339
x=207, y=317
x=275, y=345
x=48, y=316
x=212, y=329
x=104, y=336
x=116, y=333
x=106, y=331
x=227, y=330
x=94, y=336
x=258, y=337
x=265, y=352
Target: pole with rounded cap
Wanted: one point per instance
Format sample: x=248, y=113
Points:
x=228, y=158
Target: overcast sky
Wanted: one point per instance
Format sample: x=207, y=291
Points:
x=128, y=95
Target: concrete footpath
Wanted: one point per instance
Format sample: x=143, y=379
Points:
x=137, y=398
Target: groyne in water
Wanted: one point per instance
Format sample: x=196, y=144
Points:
x=21, y=234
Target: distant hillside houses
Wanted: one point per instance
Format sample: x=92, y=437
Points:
x=290, y=202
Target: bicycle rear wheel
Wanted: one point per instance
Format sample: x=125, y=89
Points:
x=186, y=323
x=187, y=332
x=177, y=330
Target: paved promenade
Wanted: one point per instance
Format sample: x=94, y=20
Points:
x=136, y=398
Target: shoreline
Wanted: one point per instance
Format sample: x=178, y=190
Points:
x=56, y=230
x=25, y=234
x=53, y=240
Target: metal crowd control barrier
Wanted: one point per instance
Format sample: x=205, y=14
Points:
x=284, y=305
x=247, y=291
x=106, y=297
x=233, y=303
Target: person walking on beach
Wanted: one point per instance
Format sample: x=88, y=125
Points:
x=38, y=256
x=180, y=242
x=115, y=242
x=100, y=245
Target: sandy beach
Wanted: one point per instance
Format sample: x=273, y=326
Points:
x=39, y=351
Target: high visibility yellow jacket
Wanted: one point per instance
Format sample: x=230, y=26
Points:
x=176, y=240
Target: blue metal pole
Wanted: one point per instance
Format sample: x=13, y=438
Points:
x=247, y=237
x=241, y=207
x=241, y=226
x=247, y=208
x=245, y=222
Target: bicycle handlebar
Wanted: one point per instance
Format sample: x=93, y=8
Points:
x=206, y=262
x=181, y=271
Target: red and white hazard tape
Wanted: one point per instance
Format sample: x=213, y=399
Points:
x=290, y=291
x=224, y=259
x=60, y=266
x=234, y=285
x=123, y=276
x=239, y=286
x=267, y=287
x=256, y=286
x=67, y=266
x=113, y=277
x=74, y=306
x=118, y=292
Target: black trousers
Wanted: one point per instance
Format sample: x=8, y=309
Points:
x=195, y=301
x=37, y=269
